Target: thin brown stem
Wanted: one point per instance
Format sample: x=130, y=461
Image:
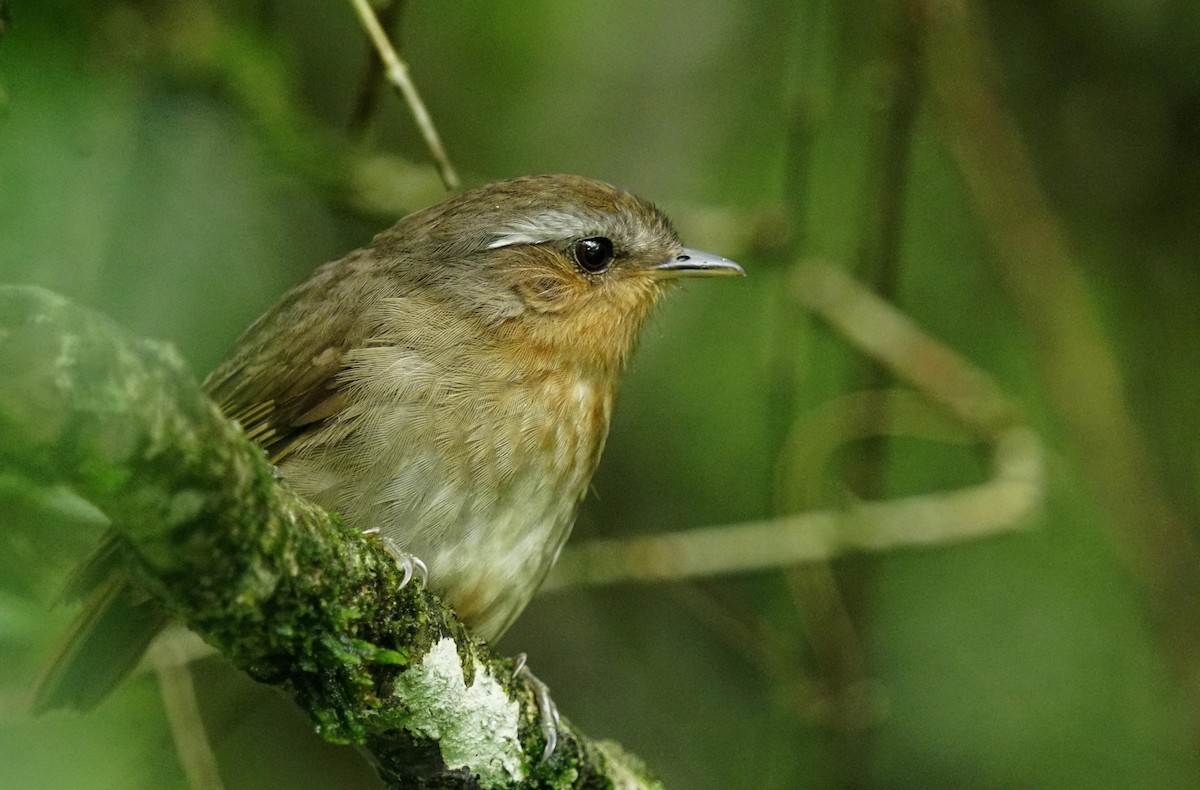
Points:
x=370, y=86
x=183, y=714
x=397, y=73
x=1006, y=503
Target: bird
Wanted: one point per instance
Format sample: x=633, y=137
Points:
x=448, y=387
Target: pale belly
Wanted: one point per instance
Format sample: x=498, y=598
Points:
x=484, y=495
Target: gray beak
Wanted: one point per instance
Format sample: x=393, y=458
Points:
x=694, y=263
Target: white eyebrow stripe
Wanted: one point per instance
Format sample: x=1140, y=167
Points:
x=548, y=226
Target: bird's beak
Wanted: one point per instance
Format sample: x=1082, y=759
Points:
x=694, y=263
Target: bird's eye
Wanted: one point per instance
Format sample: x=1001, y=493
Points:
x=594, y=253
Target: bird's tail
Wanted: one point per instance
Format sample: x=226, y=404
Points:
x=106, y=641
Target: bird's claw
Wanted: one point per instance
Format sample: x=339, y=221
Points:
x=546, y=706
x=408, y=564
x=411, y=566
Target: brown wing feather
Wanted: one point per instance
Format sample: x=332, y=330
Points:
x=280, y=382
x=282, y=379
x=275, y=411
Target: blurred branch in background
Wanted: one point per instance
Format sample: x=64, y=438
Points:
x=1006, y=503
x=372, y=82
x=1078, y=365
x=169, y=658
x=836, y=602
x=194, y=41
x=397, y=74
x=1002, y=505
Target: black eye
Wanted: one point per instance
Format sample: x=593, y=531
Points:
x=594, y=253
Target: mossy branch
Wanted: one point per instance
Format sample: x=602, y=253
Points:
x=284, y=590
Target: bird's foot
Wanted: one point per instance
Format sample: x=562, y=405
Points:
x=549, y=711
x=408, y=564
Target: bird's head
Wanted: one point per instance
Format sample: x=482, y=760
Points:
x=566, y=262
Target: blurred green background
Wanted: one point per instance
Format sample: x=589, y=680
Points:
x=178, y=164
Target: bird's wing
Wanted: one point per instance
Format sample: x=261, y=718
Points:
x=280, y=381
x=278, y=403
x=282, y=378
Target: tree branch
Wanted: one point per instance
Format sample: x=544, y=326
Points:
x=1006, y=503
x=284, y=590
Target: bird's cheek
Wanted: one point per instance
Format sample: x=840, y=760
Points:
x=545, y=294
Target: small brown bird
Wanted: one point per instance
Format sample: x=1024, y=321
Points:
x=449, y=386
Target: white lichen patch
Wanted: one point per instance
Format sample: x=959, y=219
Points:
x=476, y=725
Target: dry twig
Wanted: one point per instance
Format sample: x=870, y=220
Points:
x=397, y=74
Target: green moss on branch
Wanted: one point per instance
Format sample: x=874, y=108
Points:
x=284, y=590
